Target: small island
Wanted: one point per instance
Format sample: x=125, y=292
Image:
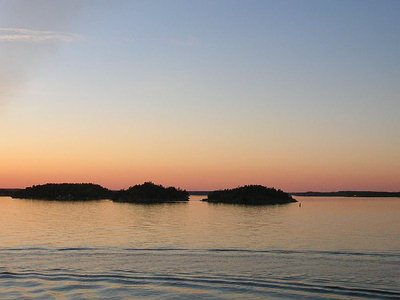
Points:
x=250, y=195
x=64, y=191
x=149, y=192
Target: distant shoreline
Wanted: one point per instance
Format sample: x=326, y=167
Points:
x=348, y=194
x=10, y=192
x=326, y=194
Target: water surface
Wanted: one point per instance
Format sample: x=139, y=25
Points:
x=329, y=248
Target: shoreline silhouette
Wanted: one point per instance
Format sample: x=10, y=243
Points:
x=155, y=193
x=147, y=192
x=250, y=195
x=348, y=194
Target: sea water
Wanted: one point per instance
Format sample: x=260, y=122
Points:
x=327, y=248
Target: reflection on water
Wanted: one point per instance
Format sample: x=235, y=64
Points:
x=327, y=248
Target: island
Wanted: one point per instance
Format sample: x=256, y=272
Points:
x=250, y=195
x=64, y=191
x=149, y=192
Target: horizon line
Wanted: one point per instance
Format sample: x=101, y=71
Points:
x=210, y=190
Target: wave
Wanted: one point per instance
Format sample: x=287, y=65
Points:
x=216, y=273
x=211, y=250
x=183, y=284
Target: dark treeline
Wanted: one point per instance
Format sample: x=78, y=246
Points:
x=250, y=195
x=64, y=191
x=142, y=193
x=151, y=193
x=349, y=194
x=8, y=192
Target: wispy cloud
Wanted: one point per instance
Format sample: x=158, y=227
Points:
x=30, y=35
x=21, y=52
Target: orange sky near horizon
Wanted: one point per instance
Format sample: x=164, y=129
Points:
x=119, y=151
x=194, y=163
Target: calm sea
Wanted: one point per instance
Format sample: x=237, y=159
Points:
x=329, y=248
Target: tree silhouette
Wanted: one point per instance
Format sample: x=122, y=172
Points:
x=250, y=195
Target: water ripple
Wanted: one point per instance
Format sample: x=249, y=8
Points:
x=216, y=250
x=72, y=283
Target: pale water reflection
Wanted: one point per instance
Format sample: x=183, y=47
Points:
x=327, y=248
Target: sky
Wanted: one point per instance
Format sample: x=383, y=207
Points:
x=202, y=95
